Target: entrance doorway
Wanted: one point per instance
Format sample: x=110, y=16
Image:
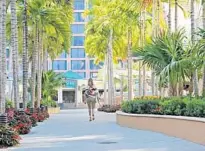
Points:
x=69, y=99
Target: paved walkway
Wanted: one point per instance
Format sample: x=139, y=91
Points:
x=71, y=131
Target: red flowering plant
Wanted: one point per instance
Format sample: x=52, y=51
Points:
x=41, y=117
x=8, y=136
x=33, y=117
x=22, y=123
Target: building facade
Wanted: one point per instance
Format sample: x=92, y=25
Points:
x=76, y=59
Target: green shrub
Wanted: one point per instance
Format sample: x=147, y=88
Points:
x=8, y=136
x=141, y=107
x=179, y=106
x=173, y=106
x=49, y=103
x=9, y=104
x=195, y=108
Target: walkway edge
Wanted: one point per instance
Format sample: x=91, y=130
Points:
x=188, y=128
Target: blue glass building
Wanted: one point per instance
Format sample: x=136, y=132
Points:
x=76, y=59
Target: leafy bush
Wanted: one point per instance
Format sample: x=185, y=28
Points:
x=8, y=137
x=19, y=122
x=147, y=98
x=33, y=117
x=9, y=104
x=49, y=103
x=173, y=107
x=167, y=106
x=109, y=108
x=141, y=107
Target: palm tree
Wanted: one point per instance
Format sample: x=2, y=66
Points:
x=14, y=44
x=55, y=33
x=25, y=55
x=195, y=74
x=3, y=53
x=50, y=82
x=165, y=56
x=1, y=92
x=176, y=14
x=203, y=4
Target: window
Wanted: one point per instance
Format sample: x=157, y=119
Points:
x=93, y=66
x=78, y=28
x=77, y=53
x=59, y=65
x=63, y=55
x=79, y=5
x=93, y=75
x=82, y=74
x=78, y=64
x=78, y=41
x=78, y=17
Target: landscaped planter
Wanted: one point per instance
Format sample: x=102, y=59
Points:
x=188, y=128
x=53, y=110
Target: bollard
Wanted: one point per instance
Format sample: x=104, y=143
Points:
x=21, y=112
x=3, y=119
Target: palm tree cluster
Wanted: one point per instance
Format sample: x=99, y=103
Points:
x=117, y=28
x=32, y=29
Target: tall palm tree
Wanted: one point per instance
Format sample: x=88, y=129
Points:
x=3, y=57
x=25, y=55
x=14, y=44
x=203, y=4
x=176, y=14
x=195, y=73
x=111, y=91
x=55, y=33
x=129, y=58
x=165, y=56
x=1, y=92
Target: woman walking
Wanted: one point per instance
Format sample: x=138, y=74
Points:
x=90, y=97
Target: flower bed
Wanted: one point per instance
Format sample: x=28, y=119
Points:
x=109, y=108
x=167, y=106
x=19, y=123
x=8, y=137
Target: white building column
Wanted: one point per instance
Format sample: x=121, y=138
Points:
x=60, y=95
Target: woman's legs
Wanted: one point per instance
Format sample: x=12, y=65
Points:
x=93, y=110
x=89, y=108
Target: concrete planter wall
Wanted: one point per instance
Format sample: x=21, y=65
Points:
x=188, y=128
x=53, y=110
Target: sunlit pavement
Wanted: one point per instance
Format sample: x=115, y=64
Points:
x=71, y=131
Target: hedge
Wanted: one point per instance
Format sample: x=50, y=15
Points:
x=166, y=106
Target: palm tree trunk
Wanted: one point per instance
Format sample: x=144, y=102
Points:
x=195, y=74
x=144, y=80
x=105, y=80
x=143, y=44
x=25, y=56
x=1, y=92
x=130, y=79
x=203, y=88
x=39, y=71
x=170, y=16
x=14, y=44
x=4, y=75
x=110, y=71
x=45, y=61
x=153, y=35
x=176, y=15
x=121, y=88
x=140, y=80
x=34, y=62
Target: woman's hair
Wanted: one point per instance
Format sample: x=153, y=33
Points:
x=90, y=82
